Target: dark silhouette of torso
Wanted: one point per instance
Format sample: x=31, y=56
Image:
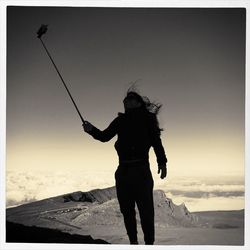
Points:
x=137, y=131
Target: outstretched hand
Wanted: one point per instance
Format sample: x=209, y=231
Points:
x=162, y=169
x=87, y=126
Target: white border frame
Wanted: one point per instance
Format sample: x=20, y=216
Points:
x=114, y=3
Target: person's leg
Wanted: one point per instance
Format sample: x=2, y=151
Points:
x=127, y=206
x=145, y=204
x=130, y=223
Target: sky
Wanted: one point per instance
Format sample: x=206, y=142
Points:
x=190, y=60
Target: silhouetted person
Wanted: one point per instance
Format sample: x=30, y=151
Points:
x=137, y=131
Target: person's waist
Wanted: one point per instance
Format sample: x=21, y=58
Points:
x=133, y=162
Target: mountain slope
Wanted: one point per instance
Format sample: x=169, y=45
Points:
x=96, y=213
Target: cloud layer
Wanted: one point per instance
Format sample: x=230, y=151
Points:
x=24, y=187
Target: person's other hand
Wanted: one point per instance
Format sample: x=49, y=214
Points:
x=87, y=126
x=162, y=169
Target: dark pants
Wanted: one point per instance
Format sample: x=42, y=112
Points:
x=134, y=184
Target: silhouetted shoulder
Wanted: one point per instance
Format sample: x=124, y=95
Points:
x=121, y=117
x=120, y=114
x=118, y=121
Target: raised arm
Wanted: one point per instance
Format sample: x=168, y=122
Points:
x=104, y=135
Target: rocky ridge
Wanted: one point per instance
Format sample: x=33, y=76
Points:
x=85, y=213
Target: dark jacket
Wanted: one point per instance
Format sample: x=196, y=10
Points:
x=137, y=131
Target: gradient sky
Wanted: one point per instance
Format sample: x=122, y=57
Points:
x=190, y=60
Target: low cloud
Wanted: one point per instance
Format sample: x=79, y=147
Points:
x=204, y=194
x=24, y=187
x=204, y=187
